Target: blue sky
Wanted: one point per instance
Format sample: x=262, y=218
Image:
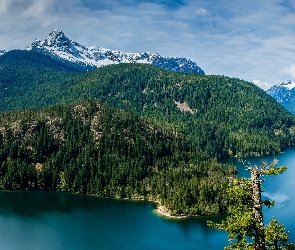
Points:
x=252, y=40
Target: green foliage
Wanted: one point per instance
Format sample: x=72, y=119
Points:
x=240, y=193
x=244, y=225
x=88, y=147
x=220, y=116
x=239, y=228
x=162, y=143
x=275, y=171
x=276, y=236
x=240, y=224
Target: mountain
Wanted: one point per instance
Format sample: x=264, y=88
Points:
x=24, y=72
x=27, y=61
x=89, y=147
x=284, y=93
x=131, y=130
x=58, y=46
x=220, y=116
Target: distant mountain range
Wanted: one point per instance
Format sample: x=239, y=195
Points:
x=59, y=47
x=284, y=93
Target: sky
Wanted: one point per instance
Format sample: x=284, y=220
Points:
x=252, y=40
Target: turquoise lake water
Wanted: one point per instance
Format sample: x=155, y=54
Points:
x=55, y=221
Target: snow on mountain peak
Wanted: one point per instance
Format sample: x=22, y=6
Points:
x=58, y=46
x=283, y=92
x=287, y=84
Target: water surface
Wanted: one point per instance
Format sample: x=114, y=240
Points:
x=280, y=188
x=53, y=220
x=58, y=221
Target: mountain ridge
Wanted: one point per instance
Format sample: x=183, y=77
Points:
x=233, y=113
x=59, y=47
x=161, y=142
x=284, y=93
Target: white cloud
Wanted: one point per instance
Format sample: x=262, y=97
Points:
x=290, y=70
x=10, y=5
x=245, y=39
x=4, y=4
x=277, y=197
x=201, y=12
x=263, y=85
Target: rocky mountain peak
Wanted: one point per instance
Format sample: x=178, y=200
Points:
x=57, y=39
x=287, y=84
x=58, y=46
x=56, y=43
x=284, y=93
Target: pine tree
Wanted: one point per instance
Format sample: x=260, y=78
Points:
x=246, y=219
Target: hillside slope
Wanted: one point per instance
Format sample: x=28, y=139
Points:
x=222, y=116
x=88, y=147
x=22, y=73
x=32, y=61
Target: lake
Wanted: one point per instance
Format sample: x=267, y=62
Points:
x=54, y=220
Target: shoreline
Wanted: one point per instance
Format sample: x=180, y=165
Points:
x=159, y=210
x=162, y=211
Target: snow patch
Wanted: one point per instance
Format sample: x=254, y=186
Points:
x=59, y=46
x=2, y=52
x=287, y=84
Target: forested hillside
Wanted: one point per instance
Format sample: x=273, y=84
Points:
x=144, y=132
x=22, y=74
x=88, y=147
x=221, y=116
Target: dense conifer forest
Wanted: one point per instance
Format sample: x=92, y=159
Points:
x=223, y=116
x=91, y=148
x=131, y=131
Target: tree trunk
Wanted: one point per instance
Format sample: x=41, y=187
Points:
x=259, y=243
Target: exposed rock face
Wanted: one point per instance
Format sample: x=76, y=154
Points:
x=284, y=93
x=58, y=46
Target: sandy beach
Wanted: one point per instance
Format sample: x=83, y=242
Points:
x=162, y=211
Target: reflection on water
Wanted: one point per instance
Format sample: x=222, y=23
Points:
x=35, y=203
x=278, y=197
x=53, y=220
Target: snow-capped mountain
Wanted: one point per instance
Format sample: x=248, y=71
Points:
x=284, y=93
x=58, y=46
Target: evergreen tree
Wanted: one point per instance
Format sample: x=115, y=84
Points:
x=276, y=236
x=245, y=226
